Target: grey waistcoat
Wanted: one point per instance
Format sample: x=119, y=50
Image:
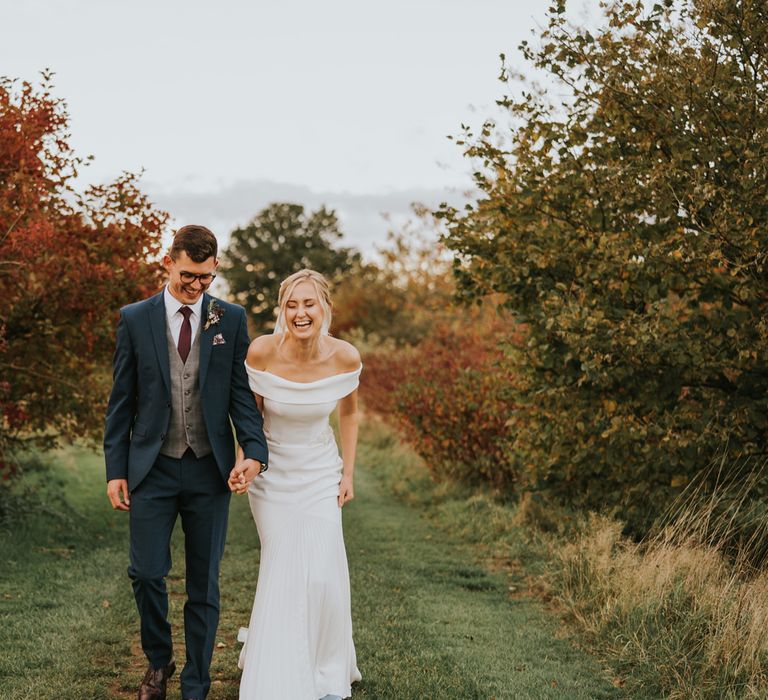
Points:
x=187, y=428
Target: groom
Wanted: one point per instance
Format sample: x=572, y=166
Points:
x=179, y=377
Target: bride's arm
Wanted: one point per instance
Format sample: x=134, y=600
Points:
x=348, y=430
x=237, y=479
x=257, y=357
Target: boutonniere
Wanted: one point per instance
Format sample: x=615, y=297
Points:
x=215, y=312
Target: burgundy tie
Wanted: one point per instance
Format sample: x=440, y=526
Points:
x=185, y=336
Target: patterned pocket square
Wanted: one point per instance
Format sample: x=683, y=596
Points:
x=218, y=339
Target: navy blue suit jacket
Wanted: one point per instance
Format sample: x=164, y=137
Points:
x=139, y=409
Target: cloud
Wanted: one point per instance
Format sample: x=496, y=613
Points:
x=365, y=218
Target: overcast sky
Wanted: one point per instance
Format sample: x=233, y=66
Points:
x=230, y=105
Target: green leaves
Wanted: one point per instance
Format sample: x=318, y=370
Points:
x=629, y=232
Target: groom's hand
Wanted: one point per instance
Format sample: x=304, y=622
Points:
x=242, y=475
x=236, y=481
x=117, y=490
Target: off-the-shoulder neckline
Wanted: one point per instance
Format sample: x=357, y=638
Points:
x=315, y=381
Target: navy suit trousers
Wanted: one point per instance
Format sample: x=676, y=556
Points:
x=194, y=489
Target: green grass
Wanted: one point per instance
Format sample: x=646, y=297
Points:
x=677, y=616
x=429, y=621
x=65, y=606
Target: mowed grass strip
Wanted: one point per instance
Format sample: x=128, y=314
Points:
x=428, y=621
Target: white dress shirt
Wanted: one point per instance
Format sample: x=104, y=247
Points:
x=176, y=318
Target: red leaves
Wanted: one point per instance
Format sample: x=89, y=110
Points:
x=68, y=261
x=452, y=398
x=14, y=415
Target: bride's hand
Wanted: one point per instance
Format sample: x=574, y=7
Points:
x=236, y=480
x=243, y=473
x=346, y=492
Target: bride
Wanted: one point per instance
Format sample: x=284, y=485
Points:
x=299, y=645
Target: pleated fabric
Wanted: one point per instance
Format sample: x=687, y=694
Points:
x=298, y=645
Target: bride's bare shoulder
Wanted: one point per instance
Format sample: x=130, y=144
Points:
x=260, y=351
x=346, y=355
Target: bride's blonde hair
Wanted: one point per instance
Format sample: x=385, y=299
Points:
x=322, y=290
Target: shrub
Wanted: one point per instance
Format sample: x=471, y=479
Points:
x=624, y=219
x=452, y=397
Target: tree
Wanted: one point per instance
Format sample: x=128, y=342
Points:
x=402, y=295
x=624, y=218
x=280, y=240
x=68, y=261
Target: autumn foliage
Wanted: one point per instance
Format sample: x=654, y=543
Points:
x=68, y=261
x=451, y=395
x=404, y=294
x=434, y=369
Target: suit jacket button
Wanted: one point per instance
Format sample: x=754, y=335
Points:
x=162, y=436
x=168, y=404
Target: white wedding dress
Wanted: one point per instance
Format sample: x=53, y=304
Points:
x=298, y=645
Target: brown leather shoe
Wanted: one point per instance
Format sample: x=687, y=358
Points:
x=155, y=681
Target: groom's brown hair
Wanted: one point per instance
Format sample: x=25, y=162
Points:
x=196, y=241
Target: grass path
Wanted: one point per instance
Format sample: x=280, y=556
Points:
x=429, y=622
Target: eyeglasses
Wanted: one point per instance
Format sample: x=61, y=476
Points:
x=189, y=277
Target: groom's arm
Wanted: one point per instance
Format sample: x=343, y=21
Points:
x=121, y=409
x=243, y=410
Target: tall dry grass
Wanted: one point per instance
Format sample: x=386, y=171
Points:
x=686, y=610
x=683, y=614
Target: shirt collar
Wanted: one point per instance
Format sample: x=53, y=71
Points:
x=172, y=304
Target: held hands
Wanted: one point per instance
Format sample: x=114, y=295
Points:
x=346, y=492
x=117, y=488
x=242, y=475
